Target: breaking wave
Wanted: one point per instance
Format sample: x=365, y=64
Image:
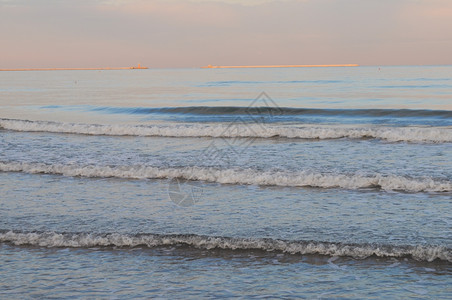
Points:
x=239, y=176
x=360, y=251
x=240, y=130
x=276, y=111
x=287, y=111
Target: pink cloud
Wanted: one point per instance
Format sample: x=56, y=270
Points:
x=176, y=33
x=207, y=14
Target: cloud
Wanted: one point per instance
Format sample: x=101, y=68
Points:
x=233, y=2
x=192, y=33
x=186, y=12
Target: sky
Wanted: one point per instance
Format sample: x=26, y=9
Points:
x=195, y=33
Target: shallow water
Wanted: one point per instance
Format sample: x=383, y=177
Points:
x=334, y=182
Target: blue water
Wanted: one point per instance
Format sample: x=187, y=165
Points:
x=301, y=182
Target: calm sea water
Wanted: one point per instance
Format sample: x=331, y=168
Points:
x=304, y=182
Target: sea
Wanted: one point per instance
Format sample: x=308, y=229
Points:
x=316, y=183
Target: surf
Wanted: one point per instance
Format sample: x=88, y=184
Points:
x=303, y=178
x=240, y=130
x=51, y=239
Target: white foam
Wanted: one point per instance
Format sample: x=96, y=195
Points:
x=239, y=176
x=88, y=240
x=392, y=134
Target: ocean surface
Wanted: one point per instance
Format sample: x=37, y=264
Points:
x=261, y=183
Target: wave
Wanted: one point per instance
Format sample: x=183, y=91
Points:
x=242, y=82
x=239, y=176
x=264, y=111
x=307, y=111
x=239, y=130
x=360, y=251
x=279, y=111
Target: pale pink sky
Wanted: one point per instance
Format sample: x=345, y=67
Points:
x=194, y=33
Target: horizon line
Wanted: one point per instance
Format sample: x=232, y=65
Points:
x=139, y=67
x=195, y=67
x=280, y=66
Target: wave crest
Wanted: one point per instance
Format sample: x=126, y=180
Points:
x=276, y=111
x=87, y=240
x=241, y=130
x=238, y=176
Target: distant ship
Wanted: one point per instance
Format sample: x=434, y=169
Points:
x=138, y=67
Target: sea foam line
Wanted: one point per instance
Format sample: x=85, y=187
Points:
x=240, y=130
x=239, y=176
x=360, y=251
